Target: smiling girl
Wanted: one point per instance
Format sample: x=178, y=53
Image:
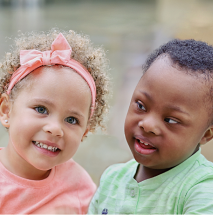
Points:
x=53, y=92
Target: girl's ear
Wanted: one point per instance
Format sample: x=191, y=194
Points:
x=207, y=136
x=85, y=133
x=5, y=107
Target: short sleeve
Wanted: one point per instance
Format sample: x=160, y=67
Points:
x=199, y=199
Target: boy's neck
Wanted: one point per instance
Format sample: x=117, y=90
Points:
x=144, y=173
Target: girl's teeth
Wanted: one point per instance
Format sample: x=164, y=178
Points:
x=44, y=146
x=50, y=147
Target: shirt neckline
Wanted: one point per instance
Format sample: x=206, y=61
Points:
x=163, y=176
x=9, y=176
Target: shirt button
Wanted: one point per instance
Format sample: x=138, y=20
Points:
x=132, y=193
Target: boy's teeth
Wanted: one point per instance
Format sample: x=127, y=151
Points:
x=146, y=144
x=44, y=146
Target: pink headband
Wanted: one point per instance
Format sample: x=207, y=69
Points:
x=60, y=54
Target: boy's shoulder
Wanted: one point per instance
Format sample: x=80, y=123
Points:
x=120, y=170
x=201, y=169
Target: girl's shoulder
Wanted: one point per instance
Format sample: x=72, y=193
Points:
x=72, y=168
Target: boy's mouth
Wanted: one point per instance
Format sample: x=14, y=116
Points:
x=44, y=146
x=145, y=145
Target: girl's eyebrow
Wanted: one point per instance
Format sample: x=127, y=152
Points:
x=46, y=101
x=49, y=102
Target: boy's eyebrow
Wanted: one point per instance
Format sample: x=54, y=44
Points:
x=171, y=107
x=176, y=108
x=49, y=102
x=147, y=95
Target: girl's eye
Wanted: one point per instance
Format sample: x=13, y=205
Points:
x=41, y=110
x=171, y=121
x=71, y=120
x=140, y=105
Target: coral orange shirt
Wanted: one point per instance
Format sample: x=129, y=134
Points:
x=67, y=190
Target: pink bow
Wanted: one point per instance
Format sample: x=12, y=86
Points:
x=60, y=54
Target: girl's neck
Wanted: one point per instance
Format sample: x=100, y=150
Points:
x=144, y=173
x=14, y=163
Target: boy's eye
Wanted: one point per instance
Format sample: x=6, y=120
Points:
x=171, y=121
x=140, y=105
x=41, y=110
x=71, y=120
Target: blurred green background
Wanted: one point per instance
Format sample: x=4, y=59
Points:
x=129, y=30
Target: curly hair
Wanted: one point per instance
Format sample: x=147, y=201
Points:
x=190, y=56
x=93, y=58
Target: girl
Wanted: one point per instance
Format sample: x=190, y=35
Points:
x=53, y=92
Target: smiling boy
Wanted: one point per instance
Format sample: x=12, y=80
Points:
x=169, y=117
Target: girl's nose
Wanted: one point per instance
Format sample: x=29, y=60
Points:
x=150, y=125
x=54, y=128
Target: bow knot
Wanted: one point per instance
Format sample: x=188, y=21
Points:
x=60, y=54
x=46, y=58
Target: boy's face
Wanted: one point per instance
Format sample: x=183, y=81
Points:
x=167, y=117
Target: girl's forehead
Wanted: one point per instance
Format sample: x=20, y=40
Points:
x=59, y=75
x=54, y=82
x=60, y=89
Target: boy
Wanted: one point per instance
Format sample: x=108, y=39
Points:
x=169, y=117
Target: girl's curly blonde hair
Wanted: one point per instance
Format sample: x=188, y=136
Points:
x=82, y=51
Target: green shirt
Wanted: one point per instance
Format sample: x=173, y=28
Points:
x=184, y=189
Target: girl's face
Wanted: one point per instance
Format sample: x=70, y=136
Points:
x=167, y=117
x=48, y=120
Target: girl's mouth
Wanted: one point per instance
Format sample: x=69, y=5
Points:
x=44, y=146
x=143, y=147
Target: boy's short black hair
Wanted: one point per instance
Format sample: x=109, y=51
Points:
x=193, y=57
x=189, y=55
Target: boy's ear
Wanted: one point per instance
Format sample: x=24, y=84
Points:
x=85, y=133
x=207, y=136
x=5, y=106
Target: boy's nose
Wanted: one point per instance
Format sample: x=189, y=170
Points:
x=149, y=125
x=54, y=128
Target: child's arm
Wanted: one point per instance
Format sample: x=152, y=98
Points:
x=93, y=207
x=100, y=195
x=199, y=199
